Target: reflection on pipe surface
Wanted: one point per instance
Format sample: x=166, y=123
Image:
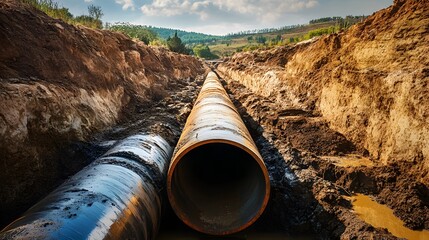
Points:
x=217, y=181
x=115, y=197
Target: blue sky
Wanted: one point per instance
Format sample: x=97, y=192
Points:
x=223, y=16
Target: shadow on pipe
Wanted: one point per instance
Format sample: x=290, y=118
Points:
x=115, y=197
x=217, y=182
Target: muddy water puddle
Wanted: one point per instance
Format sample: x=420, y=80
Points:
x=380, y=216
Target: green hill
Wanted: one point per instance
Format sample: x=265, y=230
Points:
x=241, y=41
x=187, y=37
x=266, y=38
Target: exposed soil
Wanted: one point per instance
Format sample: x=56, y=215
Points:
x=304, y=199
x=353, y=96
x=370, y=82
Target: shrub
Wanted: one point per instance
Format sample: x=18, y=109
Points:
x=52, y=9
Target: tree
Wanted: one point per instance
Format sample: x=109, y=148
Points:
x=203, y=51
x=175, y=44
x=261, y=39
x=95, y=12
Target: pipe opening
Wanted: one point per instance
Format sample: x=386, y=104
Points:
x=218, y=187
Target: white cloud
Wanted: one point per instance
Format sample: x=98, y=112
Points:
x=88, y=1
x=125, y=4
x=263, y=10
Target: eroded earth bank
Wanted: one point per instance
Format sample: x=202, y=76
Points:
x=61, y=85
x=341, y=114
x=348, y=113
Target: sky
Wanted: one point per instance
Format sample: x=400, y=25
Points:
x=220, y=17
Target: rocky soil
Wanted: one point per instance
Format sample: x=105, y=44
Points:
x=345, y=113
x=59, y=86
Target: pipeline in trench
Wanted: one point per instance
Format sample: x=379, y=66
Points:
x=217, y=182
x=219, y=172
x=120, y=194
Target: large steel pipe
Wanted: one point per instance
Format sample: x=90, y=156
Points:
x=115, y=197
x=217, y=181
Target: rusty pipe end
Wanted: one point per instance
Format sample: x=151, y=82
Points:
x=218, y=186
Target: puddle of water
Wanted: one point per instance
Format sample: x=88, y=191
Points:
x=380, y=216
x=350, y=160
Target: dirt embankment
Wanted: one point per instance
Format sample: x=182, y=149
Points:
x=342, y=114
x=59, y=85
x=370, y=82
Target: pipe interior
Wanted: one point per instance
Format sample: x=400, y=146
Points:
x=218, y=186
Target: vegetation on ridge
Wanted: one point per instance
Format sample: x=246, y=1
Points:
x=52, y=9
x=137, y=32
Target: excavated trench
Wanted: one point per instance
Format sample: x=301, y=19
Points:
x=313, y=170
x=314, y=174
x=322, y=185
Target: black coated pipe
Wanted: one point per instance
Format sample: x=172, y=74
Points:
x=115, y=197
